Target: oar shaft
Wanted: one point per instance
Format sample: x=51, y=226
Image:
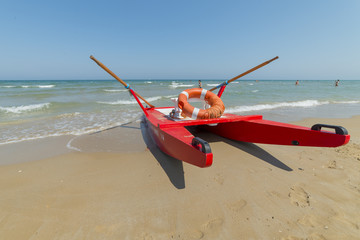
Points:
x=248, y=71
x=119, y=79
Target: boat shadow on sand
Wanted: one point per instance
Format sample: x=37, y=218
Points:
x=174, y=168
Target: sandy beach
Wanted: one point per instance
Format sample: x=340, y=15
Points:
x=118, y=187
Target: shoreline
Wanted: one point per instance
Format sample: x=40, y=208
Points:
x=125, y=138
x=252, y=191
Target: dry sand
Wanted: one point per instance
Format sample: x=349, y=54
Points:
x=117, y=191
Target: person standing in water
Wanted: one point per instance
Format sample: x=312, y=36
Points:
x=297, y=82
x=337, y=83
x=200, y=85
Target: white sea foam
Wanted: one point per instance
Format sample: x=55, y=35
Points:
x=25, y=108
x=37, y=86
x=66, y=124
x=347, y=102
x=118, y=102
x=133, y=101
x=45, y=86
x=259, y=107
x=7, y=86
x=170, y=96
x=212, y=85
x=254, y=91
x=177, y=85
x=65, y=115
x=115, y=90
x=69, y=146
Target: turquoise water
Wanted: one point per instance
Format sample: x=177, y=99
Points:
x=37, y=109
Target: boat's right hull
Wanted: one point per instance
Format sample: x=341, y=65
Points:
x=270, y=132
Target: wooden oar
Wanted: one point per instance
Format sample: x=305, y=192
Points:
x=245, y=73
x=117, y=78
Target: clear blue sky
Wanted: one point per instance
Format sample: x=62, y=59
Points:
x=187, y=39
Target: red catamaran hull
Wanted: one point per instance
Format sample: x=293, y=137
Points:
x=175, y=140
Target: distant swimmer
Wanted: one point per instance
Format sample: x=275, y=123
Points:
x=337, y=83
x=297, y=82
x=200, y=85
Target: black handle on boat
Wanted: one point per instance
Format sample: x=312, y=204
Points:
x=338, y=129
x=205, y=147
x=245, y=73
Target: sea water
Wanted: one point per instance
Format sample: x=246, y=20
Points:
x=38, y=109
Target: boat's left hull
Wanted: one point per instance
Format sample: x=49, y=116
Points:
x=179, y=143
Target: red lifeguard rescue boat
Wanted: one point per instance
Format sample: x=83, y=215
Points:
x=173, y=138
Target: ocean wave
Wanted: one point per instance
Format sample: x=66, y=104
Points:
x=115, y=90
x=212, y=85
x=29, y=86
x=119, y=102
x=45, y=86
x=347, y=102
x=254, y=91
x=25, y=108
x=177, y=85
x=171, y=96
x=37, y=86
x=127, y=102
x=66, y=115
x=66, y=124
x=305, y=103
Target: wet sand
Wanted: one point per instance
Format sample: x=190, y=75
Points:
x=118, y=187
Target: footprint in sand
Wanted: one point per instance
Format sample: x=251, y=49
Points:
x=145, y=236
x=212, y=228
x=314, y=236
x=332, y=164
x=237, y=206
x=219, y=179
x=275, y=194
x=351, y=150
x=341, y=219
x=299, y=197
x=291, y=238
x=311, y=221
x=194, y=235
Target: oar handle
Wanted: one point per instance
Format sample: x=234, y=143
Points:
x=247, y=72
x=117, y=78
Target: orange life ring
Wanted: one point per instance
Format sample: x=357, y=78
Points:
x=215, y=111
